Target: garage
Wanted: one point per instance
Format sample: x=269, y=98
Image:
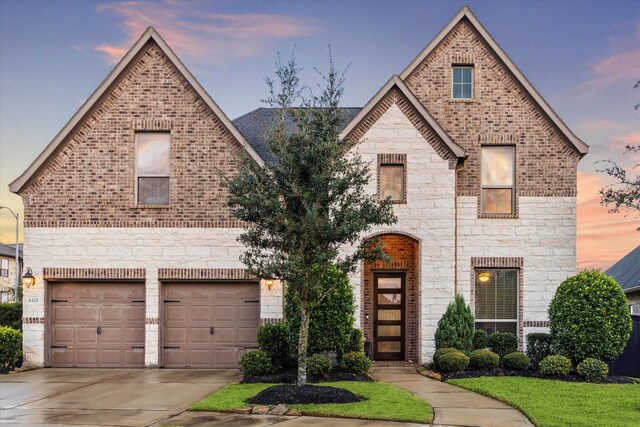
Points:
x=209, y=325
x=97, y=324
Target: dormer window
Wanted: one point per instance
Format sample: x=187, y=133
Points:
x=462, y=82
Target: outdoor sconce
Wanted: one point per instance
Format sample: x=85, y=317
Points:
x=269, y=284
x=484, y=276
x=28, y=280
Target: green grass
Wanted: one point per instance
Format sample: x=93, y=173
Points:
x=551, y=403
x=384, y=402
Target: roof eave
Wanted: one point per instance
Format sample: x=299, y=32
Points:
x=18, y=184
x=581, y=147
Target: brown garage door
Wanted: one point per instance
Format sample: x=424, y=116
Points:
x=209, y=325
x=97, y=324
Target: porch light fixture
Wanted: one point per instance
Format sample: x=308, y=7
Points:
x=484, y=277
x=269, y=284
x=28, y=280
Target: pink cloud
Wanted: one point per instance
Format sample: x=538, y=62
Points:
x=199, y=34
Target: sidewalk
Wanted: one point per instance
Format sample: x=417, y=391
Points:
x=453, y=406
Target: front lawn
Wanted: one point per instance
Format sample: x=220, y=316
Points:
x=384, y=402
x=550, y=403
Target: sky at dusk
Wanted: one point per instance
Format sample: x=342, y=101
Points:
x=583, y=57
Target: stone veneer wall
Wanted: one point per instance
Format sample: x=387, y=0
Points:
x=146, y=254
x=634, y=301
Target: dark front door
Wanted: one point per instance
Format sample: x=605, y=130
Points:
x=388, y=316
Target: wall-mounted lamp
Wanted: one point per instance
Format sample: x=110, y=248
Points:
x=28, y=280
x=484, y=277
x=269, y=284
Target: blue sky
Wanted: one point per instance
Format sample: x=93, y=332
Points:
x=583, y=57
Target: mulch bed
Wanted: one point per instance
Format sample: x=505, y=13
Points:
x=292, y=394
x=498, y=372
x=289, y=377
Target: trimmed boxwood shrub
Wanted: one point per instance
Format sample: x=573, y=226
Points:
x=593, y=370
x=10, y=348
x=11, y=315
x=455, y=328
x=483, y=359
x=318, y=365
x=480, y=339
x=516, y=360
x=272, y=339
x=355, y=345
x=453, y=362
x=503, y=343
x=255, y=363
x=589, y=317
x=441, y=352
x=356, y=362
x=538, y=347
x=555, y=365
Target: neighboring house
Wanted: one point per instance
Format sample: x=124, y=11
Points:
x=627, y=274
x=135, y=252
x=8, y=271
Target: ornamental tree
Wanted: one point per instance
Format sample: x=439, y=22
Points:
x=456, y=327
x=311, y=201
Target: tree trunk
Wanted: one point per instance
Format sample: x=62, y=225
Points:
x=303, y=340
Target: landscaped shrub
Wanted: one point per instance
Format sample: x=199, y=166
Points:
x=538, y=347
x=331, y=324
x=10, y=348
x=455, y=328
x=555, y=365
x=256, y=362
x=589, y=317
x=356, y=345
x=503, y=343
x=441, y=352
x=318, y=365
x=480, y=339
x=356, y=362
x=593, y=370
x=272, y=339
x=516, y=360
x=453, y=362
x=483, y=359
x=11, y=315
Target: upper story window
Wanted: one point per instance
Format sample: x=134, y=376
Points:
x=4, y=267
x=462, y=87
x=498, y=177
x=152, y=168
x=392, y=177
x=496, y=300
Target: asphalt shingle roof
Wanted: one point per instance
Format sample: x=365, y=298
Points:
x=10, y=251
x=254, y=125
x=627, y=270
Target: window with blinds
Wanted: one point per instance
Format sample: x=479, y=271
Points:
x=152, y=168
x=496, y=300
x=498, y=172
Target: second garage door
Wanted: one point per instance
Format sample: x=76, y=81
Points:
x=209, y=325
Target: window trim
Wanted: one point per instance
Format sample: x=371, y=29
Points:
x=392, y=160
x=518, y=296
x=2, y=259
x=138, y=176
x=473, y=81
x=514, y=203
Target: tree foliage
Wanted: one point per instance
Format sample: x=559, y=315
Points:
x=311, y=201
x=456, y=327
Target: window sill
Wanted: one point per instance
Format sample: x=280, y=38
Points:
x=465, y=101
x=498, y=215
x=395, y=202
x=150, y=206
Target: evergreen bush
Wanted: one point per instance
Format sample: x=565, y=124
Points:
x=538, y=347
x=480, y=339
x=503, y=343
x=10, y=348
x=453, y=362
x=256, y=363
x=456, y=327
x=483, y=359
x=555, y=365
x=356, y=362
x=516, y=360
x=272, y=339
x=593, y=370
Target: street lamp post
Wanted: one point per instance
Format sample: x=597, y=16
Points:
x=17, y=285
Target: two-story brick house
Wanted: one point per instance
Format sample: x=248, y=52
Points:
x=136, y=256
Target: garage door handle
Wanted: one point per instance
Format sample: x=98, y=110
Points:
x=169, y=347
x=211, y=330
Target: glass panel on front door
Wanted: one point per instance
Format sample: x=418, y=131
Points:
x=388, y=316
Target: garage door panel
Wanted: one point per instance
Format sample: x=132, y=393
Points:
x=63, y=335
x=200, y=357
x=134, y=336
x=225, y=336
x=175, y=313
x=200, y=313
x=198, y=335
x=248, y=312
x=225, y=313
x=62, y=313
x=111, y=313
x=86, y=335
x=62, y=357
x=86, y=357
x=175, y=336
x=225, y=357
x=86, y=313
x=175, y=357
x=111, y=357
x=134, y=356
x=134, y=313
x=247, y=336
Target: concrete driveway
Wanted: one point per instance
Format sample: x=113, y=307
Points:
x=114, y=397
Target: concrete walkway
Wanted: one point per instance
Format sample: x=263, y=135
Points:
x=453, y=406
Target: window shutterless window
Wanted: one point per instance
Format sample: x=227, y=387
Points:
x=496, y=300
x=498, y=177
x=392, y=182
x=4, y=267
x=152, y=168
x=462, y=82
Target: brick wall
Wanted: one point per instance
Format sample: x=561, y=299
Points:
x=91, y=181
x=499, y=113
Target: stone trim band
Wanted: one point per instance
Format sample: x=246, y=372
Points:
x=52, y=273
x=536, y=323
x=204, y=274
x=152, y=321
x=132, y=224
x=33, y=320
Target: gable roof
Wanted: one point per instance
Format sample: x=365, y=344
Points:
x=10, y=251
x=395, y=81
x=150, y=34
x=627, y=271
x=255, y=124
x=466, y=12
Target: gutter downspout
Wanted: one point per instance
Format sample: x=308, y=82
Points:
x=459, y=167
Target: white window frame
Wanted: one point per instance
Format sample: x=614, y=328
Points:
x=137, y=176
x=517, y=296
x=2, y=270
x=472, y=83
x=511, y=187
